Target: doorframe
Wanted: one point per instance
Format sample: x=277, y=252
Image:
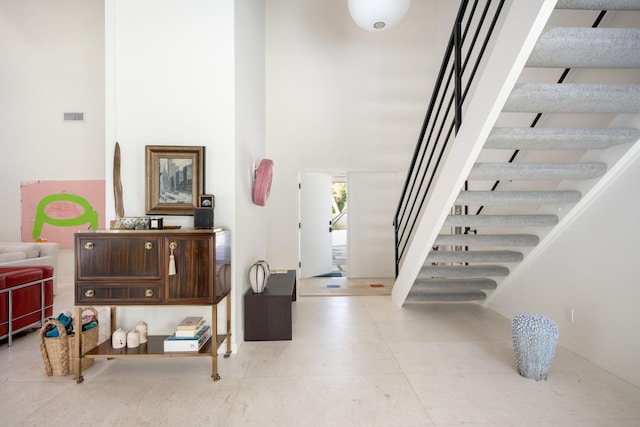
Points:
x=333, y=173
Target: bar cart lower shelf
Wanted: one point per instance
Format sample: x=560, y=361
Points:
x=154, y=347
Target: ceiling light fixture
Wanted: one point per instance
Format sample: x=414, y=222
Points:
x=378, y=15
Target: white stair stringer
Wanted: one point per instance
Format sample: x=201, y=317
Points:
x=467, y=261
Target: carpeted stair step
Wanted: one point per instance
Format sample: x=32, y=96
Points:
x=473, y=256
x=487, y=240
x=483, y=198
x=573, y=98
x=454, y=284
x=446, y=296
x=587, y=48
x=537, y=171
x=500, y=220
x=429, y=271
x=598, y=4
x=516, y=138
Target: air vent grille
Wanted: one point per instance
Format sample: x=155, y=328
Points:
x=74, y=117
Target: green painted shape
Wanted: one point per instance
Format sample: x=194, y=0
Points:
x=89, y=216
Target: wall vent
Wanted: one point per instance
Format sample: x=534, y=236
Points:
x=74, y=117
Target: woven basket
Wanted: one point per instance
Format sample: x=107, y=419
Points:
x=57, y=352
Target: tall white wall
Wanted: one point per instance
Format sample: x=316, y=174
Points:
x=52, y=62
x=340, y=98
x=250, y=219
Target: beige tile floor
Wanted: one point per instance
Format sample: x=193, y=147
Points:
x=353, y=361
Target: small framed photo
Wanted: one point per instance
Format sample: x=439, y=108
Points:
x=207, y=201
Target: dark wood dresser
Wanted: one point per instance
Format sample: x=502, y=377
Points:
x=152, y=267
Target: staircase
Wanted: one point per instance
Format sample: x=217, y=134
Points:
x=528, y=176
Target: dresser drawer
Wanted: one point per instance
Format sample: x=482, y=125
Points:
x=105, y=258
x=122, y=293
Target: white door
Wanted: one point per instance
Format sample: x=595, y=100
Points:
x=315, y=217
x=372, y=204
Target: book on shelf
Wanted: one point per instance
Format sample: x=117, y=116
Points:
x=173, y=343
x=188, y=333
x=190, y=324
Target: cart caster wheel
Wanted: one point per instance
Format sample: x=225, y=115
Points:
x=227, y=355
x=216, y=377
x=79, y=380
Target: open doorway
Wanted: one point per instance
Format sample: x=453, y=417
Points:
x=323, y=224
x=339, y=225
x=346, y=224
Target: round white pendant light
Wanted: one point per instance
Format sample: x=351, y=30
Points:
x=378, y=15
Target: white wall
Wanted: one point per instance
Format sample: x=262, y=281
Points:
x=340, y=98
x=52, y=62
x=171, y=82
x=249, y=233
x=372, y=199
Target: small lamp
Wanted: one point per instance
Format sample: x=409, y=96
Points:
x=378, y=15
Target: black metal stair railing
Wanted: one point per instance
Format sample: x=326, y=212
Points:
x=475, y=21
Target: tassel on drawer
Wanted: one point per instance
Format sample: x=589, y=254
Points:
x=172, y=261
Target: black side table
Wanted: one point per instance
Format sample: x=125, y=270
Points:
x=267, y=316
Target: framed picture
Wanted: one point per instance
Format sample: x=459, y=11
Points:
x=207, y=201
x=174, y=179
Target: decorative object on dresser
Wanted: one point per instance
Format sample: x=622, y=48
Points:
x=155, y=224
x=135, y=222
x=117, y=183
x=203, y=218
x=258, y=276
x=174, y=179
x=203, y=214
x=267, y=316
x=207, y=201
x=138, y=274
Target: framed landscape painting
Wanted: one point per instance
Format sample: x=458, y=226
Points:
x=174, y=179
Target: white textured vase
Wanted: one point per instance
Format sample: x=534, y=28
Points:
x=258, y=275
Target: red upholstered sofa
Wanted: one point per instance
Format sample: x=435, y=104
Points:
x=26, y=298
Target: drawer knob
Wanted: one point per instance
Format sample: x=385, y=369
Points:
x=89, y=245
x=89, y=293
x=148, y=293
x=148, y=245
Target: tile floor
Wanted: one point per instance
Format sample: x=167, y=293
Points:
x=354, y=361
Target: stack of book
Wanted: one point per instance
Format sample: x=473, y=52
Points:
x=190, y=335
